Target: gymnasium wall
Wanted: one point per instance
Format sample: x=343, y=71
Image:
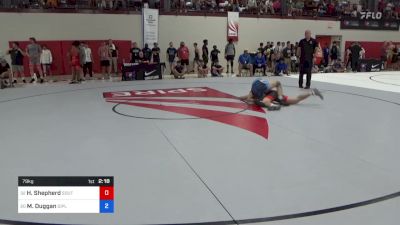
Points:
x=48, y=26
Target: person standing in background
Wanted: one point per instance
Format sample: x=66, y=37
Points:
x=334, y=52
x=75, y=62
x=88, y=63
x=196, y=58
x=114, y=57
x=230, y=53
x=306, y=50
x=17, y=62
x=134, y=53
x=104, y=54
x=183, y=55
x=287, y=53
x=171, y=54
x=355, y=50
x=156, y=53
x=205, y=52
x=46, y=59
x=33, y=51
x=147, y=52
x=326, y=54
x=214, y=55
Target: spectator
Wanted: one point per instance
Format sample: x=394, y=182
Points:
x=33, y=51
x=277, y=50
x=171, y=54
x=245, y=63
x=334, y=52
x=46, y=59
x=178, y=69
x=277, y=5
x=281, y=68
x=205, y=52
x=298, y=8
x=114, y=57
x=216, y=69
x=75, y=62
x=230, y=53
x=362, y=53
x=269, y=7
x=214, y=55
x=202, y=69
x=196, y=56
x=5, y=73
x=259, y=63
x=183, y=54
x=261, y=48
x=88, y=60
x=17, y=62
x=142, y=58
x=134, y=53
x=156, y=53
x=355, y=50
x=326, y=53
x=287, y=53
x=147, y=52
x=293, y=61
x=104, y=54
x=337, y=66
x=348, y=57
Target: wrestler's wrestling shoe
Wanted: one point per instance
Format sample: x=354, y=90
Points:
x=316, y=92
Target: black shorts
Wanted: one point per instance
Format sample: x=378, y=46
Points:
x=230, y=57
x=105, y=63
x=185, y=62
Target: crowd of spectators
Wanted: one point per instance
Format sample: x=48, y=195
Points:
x=314, y=8
x=270, y=58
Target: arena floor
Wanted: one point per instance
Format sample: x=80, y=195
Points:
x=191, y=153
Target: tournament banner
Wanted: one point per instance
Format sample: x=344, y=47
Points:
x=150, y=26
x=233, y=26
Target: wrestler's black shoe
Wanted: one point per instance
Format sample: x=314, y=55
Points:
x=316, y=92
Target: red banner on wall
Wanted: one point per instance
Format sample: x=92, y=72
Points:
x=233, y=26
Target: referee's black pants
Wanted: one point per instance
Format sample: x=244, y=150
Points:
x=305, y=68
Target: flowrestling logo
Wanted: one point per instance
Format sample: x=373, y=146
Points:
x=199, y=102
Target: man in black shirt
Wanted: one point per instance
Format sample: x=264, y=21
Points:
x=171, y=54
x=214, y=55
x=147, y=52
x=134, y=53
x=306, y=51
x=17, y=61
x=355, y=50
x=205, y=51
x=334, y=52
x=156, y=53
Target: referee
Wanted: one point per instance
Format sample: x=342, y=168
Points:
x=306, y=50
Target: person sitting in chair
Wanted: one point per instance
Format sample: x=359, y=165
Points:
x=5, y=74
x=216, y=69
x=245, y=63
x=281, y=68
x=178, y=70
x=259, y=63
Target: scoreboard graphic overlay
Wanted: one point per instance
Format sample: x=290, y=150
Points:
x=65, y=194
